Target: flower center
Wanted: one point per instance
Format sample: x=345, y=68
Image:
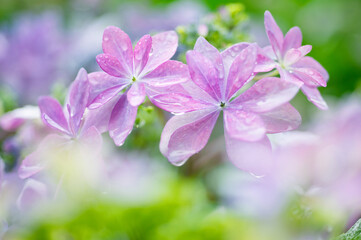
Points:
x=222, y=105
x=134, y=79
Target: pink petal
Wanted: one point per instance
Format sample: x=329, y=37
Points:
x=169, y=73
x=187, y=134
x=92, y=138
x=265, y=60
x=310, y=76
x=254, y=157
x=52, y=114
x=245, y=126
x=77, y=99
x=111, y=65
x=210, y=52
x=274, y=33
x=101, y=81
x=294, y=55
x=122, y=120
x=293, y=39
x=203, y=73
x=118, y=44
x=230, y=54
x=136, y=94
x=241, y=70
x=267, y=94
x=178, y=102
x=33, y=192
x=283, y=118
x=141, y=53
x=14, y=119
x=309, y=62
x=106, y=96
x=164, y=45
x=314, y=96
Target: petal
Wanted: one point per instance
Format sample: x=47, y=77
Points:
x=309, y=76
x=241, y=70
x=203, y=73
x=169, y=73
x=141, y=53
x=178, y=102
x=283, y=118
x=122, y=120
x=243, y=125
x=293, y=39
x=294, y=55
x=274, y=33
x=207, y=50
x=52, y=114
x=314, y=96
x=267, y=94
x=230, y=54
x=118, y=44
x=77, y=99
x=164, y=45
x=106, y=96
x=92, y=138
x=33, y=192
x=136, y=94
x=254, y=157
x=111, y=65
x=309, y=62
x=101, y=81
x=265, y=59
x=14, y=119
x=187, y=134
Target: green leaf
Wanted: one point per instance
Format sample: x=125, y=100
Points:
x=353, y=234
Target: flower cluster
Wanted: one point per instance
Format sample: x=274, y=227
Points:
x=233, y=82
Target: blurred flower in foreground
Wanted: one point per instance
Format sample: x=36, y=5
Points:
x=216, y=78
x=32, y=57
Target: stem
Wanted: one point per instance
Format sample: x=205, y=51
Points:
x=269, y=74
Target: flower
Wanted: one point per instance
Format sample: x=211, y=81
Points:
x=215, y=80
x=287, y=55
x=137, y=71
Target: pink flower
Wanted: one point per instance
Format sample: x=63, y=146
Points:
x=287, y=55
x=72, y=122
x=136, y=71
x=215, y=80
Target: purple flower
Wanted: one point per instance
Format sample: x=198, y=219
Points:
x=135, y=71
x=216, y=78
x=287, y=55
x=72, y=122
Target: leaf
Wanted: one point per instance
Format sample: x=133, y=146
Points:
x=353, y=234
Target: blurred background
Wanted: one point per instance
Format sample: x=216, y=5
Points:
x=44, y=43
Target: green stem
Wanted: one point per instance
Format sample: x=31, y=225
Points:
x=269, y=74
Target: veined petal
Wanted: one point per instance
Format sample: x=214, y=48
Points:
x=293, y=39
x=203, y=73
x=136, y=94
x=272, y=27
x=254, y=157
x=241, y=70
x=111, y=65
x=52, y=114
x=265, y=59
x=230, y=54
x=310, y=76
x=283, y=118
x=314, y=96
x=106, y=96
x=122, y=120
x=309, y=62
x=169, y=73
x=187, y=134
x=267, y=94
x=101, y=81
x=178, y=102
x=141, y=53
x=118, y=44
x=245, y=126
x=164, y=45
x=294, y=55
x=77, y=99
